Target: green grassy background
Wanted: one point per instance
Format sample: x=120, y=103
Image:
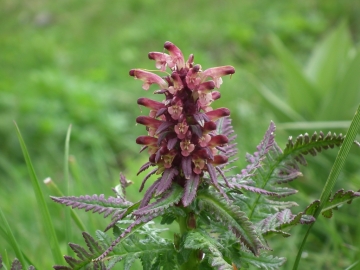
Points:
x=67, y=62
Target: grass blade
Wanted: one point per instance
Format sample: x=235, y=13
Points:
x=334, y=174
x=68, y=192
x=10, y=238
x=45, y=214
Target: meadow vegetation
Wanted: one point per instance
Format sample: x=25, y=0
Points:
x=67, y=63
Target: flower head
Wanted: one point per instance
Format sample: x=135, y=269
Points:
x=182, y=128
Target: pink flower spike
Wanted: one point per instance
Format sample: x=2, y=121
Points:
x=176, y=57
x=204, y=140
x=146, y=140
x=205, y=99
x=175, y=111
x=218, y=113
x=206, y=86
x=186, y=147
x=218, y=140
x=148, y=121
x=215, y=95
x=181, y=129
x=160, y=59
x=150, y=142
x=151, y=104
x=192, y=77
x=190, y=61
x=168, y=158
x=219, y=159
x=178, y=85
x=217, y=72
x=148, y=78
x=199, y=165
x=209, y=126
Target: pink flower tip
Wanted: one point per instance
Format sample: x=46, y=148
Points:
x=148, y=121
x=151, y=104
x=176, y=57
x=148, y=78
x=218, y=113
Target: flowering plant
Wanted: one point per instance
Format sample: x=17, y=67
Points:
x=224, y=215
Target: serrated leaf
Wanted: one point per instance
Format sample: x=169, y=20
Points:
x=139, y=241
x=283, y=220
x=231, y=216
x=95, y=203
x=86, y=258
x=305, y=144
x=16, y=265
x=166, y=180
x=263, y=261
x=190, y=189
x=168, y=199
x=339, y=198
x=171, y=214
x=199, y=240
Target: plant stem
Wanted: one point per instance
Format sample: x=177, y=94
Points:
x=193, y=261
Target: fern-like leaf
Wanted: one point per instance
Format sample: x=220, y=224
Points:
x=85, y=258
x=280, y=221
x=231, y=216
x=151, y=249
x=145, y=214
x=95, y=203
x=224, y=127
x=199, y=240
x=340, y=197
x=15, y=265
x=168, y=199
x=269, y=168
x=262, y=261
x=305, y=144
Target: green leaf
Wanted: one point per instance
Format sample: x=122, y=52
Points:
x=231, y=216
x=10, y=237
x=347, y=90
x=327, y=59
x=45, y=214
x=199, y=240
x=302, y=94
x=144, y=244
x=279, y=104
x=339, y=198
x=263, y=261
x=283, y=220
x=305, y=144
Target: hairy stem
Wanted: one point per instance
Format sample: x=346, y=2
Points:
x=186, y=224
